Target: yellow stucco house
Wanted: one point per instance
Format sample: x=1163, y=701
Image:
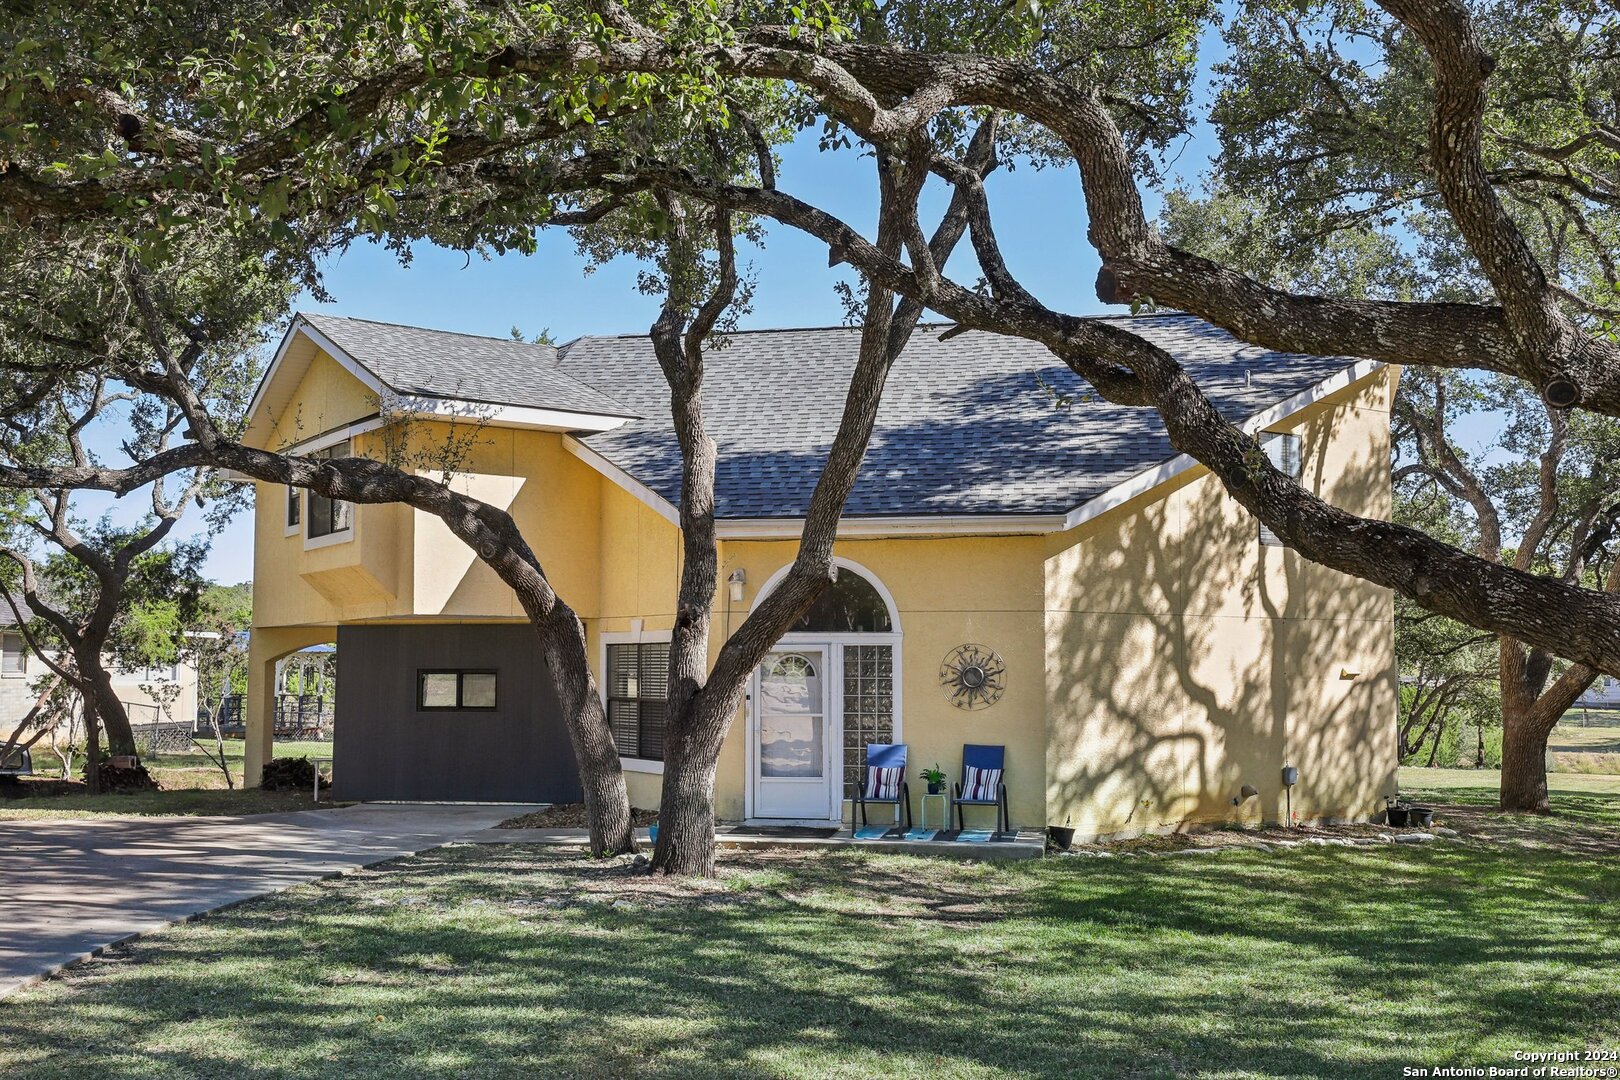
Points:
x=1021, y=565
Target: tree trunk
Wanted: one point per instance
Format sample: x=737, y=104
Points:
x=1529, y=713
x=110, y=711
x=92, y=748
x=601, y=779
x=686, y=808
x=1524, y=762
x=686, y=816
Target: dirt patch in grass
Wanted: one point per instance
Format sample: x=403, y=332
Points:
x=1244, y=837
x=55, y=802
x=30, y=787
x=569, y=816
x=962, y=894
x=1560, y=830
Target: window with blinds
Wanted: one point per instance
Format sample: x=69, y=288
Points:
x=637, y=697
x=868, y=706
x=16, y=656
x=1284, y=453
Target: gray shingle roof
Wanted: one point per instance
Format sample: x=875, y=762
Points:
x=498, y=371
x=9, y=619
x=966, y=425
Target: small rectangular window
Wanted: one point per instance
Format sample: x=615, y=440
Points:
x=15, y=656
x=1284, y=452
x=458, y=690
x=295, y=505
x=637, y=697
x=328, y=516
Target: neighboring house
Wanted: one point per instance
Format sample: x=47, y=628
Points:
x=1603, y=694
x=1147, y=648
x=158, y=693
x=18, y=670
x=143, y=690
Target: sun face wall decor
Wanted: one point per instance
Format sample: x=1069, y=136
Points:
x=973, y=676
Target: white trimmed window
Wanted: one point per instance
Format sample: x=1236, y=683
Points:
x=1284, y=452
x=638, y=697
x=14, y=661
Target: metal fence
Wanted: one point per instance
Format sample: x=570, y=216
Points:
x=168, y=737
x=305, y=717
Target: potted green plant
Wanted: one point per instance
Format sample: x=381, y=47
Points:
x=935, y=779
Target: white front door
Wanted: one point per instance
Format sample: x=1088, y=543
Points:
x=794, y=774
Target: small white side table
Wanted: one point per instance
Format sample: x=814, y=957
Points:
x=943, y=801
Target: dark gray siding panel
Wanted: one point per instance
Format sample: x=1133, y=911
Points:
x=385, y=748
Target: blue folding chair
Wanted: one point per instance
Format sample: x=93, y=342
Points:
x=885, y=781
x=982, y=783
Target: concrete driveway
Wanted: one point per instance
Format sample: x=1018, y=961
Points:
x=69, y=887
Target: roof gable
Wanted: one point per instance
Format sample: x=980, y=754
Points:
x=517, y=382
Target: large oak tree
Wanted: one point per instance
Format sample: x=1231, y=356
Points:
x=436, y=120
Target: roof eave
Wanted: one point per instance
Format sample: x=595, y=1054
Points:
x=1162, y=473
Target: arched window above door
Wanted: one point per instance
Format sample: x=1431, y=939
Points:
x=850, y=605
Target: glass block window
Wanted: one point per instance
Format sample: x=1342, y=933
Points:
x=637, y=697
x=1284, y=452
x=868, y=706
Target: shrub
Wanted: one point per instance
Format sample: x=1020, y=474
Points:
x=288, y=774
x=114, y=779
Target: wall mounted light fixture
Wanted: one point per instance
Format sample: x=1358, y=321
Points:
x=735, y=584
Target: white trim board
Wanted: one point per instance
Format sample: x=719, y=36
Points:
x=498, y=415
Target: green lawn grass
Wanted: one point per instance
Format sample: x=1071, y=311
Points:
x=1451, y=781
x=185, y=802
x=189, y=784
x=495, y=962
x=1590, y=739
